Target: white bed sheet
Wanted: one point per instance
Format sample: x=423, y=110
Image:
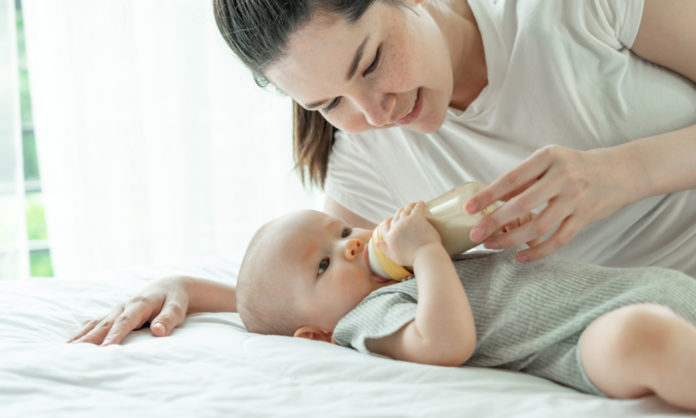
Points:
x=212, y=367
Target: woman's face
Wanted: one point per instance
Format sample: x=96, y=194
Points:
x=391, y=67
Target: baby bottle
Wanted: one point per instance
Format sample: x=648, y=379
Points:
x=447, y=214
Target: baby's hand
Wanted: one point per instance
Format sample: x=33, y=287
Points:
x=406, y=233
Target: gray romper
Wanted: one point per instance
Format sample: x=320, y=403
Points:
x=529, y=316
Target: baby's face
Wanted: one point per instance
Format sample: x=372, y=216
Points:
x=328, y=266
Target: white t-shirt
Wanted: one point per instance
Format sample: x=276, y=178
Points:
x=559, y=72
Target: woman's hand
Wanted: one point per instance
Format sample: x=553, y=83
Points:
x=578, y=187
x=163, y=303
x=510, y=226
x=406, y=233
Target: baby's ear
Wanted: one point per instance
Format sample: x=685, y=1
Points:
x=313, y=333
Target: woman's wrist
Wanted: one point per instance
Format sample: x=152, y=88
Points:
x=662, y=163
x=625, y=169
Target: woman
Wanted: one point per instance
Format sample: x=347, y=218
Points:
x=488, y=84
x=584, y=111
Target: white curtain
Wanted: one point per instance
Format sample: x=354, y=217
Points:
x=154, y=142
x=14, y=253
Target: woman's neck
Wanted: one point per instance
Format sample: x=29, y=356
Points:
x=469, y=70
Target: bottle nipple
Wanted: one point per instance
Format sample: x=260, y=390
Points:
x=380, y=264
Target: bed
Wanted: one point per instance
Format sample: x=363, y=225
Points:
x=211, y=366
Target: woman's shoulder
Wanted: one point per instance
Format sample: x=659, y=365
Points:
x=615, y=22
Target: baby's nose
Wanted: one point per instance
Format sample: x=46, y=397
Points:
x=353, y=248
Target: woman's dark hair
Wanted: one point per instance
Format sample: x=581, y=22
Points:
x=258, y=32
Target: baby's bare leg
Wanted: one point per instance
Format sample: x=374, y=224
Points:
x=642, y=349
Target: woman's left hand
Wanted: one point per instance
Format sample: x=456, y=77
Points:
x=578, y=187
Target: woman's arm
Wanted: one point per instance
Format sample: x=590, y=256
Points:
x=667, y=35
x=443, y=331
x=582, y=187
x=164, y=303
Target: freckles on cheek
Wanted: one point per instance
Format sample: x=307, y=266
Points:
x=400, y=69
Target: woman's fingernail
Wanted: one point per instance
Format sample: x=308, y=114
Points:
x=472, y=207
x=521, y=258
x=477, y=233
x=492, y=245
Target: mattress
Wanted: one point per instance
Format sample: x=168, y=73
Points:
x=211, y=366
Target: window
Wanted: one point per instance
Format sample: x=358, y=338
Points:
x=35, y=249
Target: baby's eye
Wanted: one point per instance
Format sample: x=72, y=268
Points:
x=346, y=232
x=323, y=265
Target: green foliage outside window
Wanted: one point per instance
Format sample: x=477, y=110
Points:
x=39, y=254
x=36, y=219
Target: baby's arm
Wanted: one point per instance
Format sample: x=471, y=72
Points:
x=164, y=303
x=443, y=331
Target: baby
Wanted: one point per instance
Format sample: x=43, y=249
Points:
x=622, y=333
